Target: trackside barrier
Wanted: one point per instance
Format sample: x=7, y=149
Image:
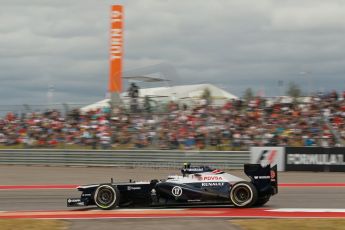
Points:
x=314, y=159
x=125, y=158
x=317, y=159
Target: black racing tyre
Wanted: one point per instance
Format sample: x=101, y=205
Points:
x=262, y=201
x=107, y=196
x=243, y=194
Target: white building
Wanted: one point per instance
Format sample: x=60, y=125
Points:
x=188, y=94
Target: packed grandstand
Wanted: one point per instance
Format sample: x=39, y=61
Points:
x=235, y=125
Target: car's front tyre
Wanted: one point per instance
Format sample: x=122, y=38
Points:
x=107, y=197
x=243, y=194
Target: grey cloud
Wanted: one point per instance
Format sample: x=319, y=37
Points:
x=326, y=15
x=233, y=44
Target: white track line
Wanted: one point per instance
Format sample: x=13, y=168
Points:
x=307, y=210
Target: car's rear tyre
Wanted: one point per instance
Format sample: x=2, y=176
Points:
x=262, y=201
x=107, y=196
x=243, y=194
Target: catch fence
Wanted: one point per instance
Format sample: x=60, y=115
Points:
x=125, y=158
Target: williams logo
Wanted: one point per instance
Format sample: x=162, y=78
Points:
x=267, y=157
x=129, y=188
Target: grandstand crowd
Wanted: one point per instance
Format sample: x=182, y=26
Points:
x=236, y=125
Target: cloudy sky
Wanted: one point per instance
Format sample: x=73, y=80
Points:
x=234, y=44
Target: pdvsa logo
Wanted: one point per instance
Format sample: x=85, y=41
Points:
x=267, y=157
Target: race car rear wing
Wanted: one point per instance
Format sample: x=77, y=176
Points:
x=264, y=178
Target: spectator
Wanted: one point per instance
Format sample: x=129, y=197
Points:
x=236, y=125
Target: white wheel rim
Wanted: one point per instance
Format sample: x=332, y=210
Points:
x=96, y=195
x=235, y=200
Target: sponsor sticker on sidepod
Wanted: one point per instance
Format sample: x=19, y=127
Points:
x=210, y=184
x=212, y=178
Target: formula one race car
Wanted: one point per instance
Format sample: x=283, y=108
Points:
x=197, y=185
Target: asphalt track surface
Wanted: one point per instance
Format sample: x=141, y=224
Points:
x=320, y=197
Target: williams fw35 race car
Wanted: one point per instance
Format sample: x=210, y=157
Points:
x=196, y=185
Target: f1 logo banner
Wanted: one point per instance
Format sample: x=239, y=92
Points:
x=268, y=155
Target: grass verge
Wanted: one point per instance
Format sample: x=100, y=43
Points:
x=30, y=224
x=295, y=224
